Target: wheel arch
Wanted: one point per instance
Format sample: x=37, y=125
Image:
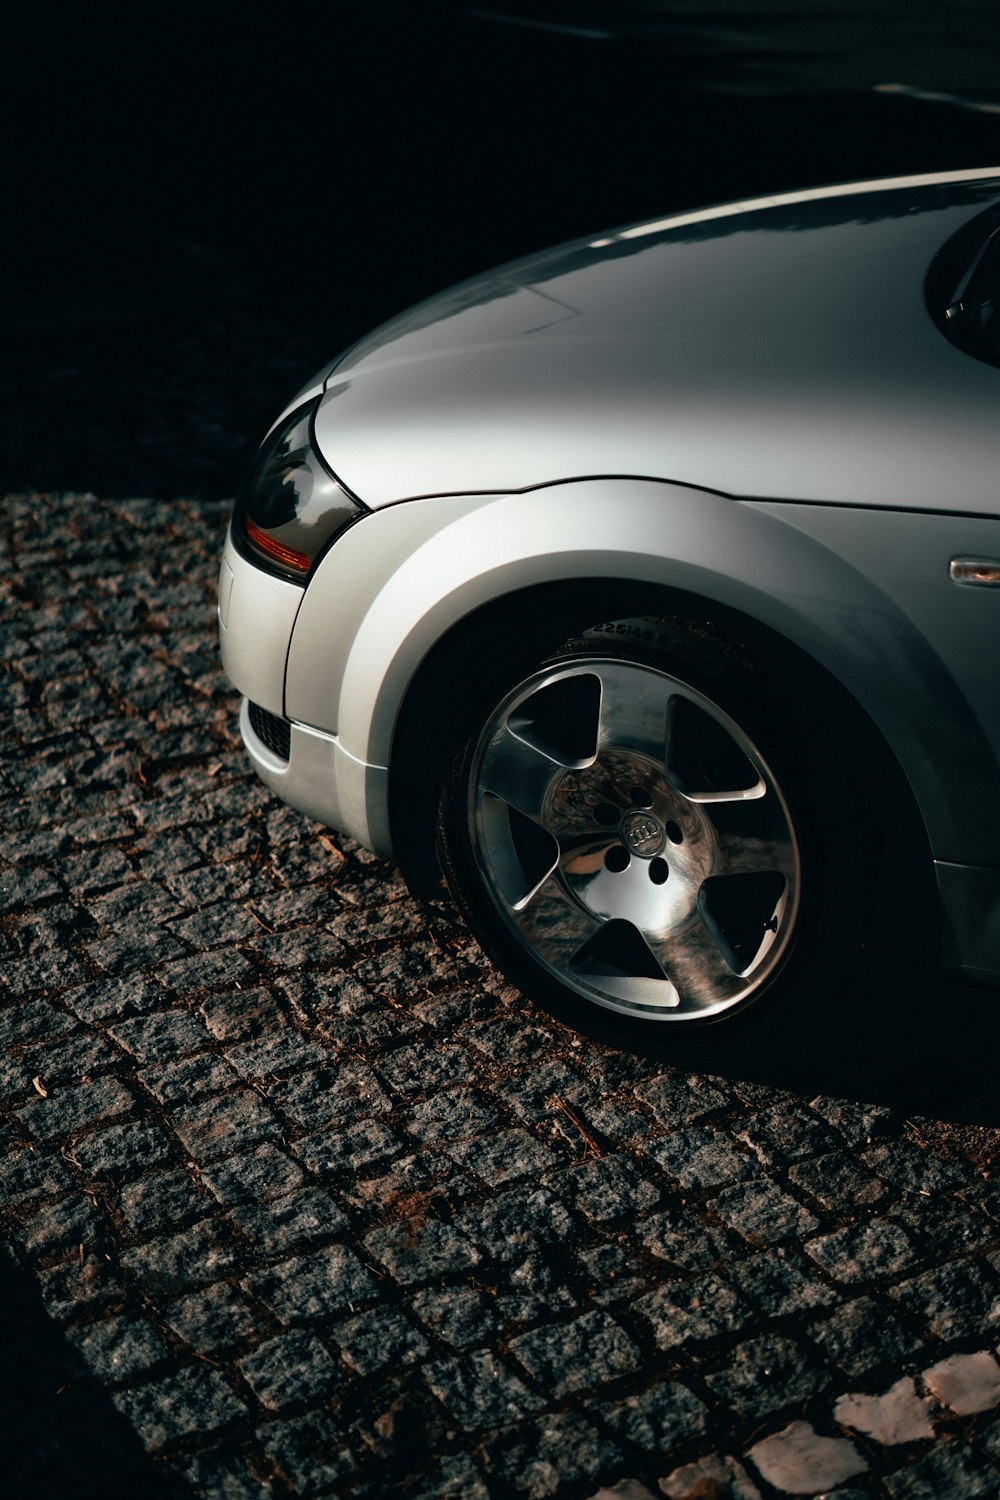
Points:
x=420, y=762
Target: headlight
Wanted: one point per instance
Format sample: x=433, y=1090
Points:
x=290, y=505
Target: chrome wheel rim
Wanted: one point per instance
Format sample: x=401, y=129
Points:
x=635, y=841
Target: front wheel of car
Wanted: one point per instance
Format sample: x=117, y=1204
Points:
x=646, y=830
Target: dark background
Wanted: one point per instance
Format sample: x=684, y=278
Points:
x=202, y=211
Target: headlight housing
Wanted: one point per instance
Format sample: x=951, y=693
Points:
x=290, y=505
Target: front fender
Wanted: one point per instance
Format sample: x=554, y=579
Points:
x=403, y=577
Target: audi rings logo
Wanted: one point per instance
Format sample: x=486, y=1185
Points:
x=643, y=834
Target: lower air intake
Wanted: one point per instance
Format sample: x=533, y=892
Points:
x=274, y=731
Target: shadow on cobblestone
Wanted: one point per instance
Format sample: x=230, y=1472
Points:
x=63, y=1435
x=327, y=1209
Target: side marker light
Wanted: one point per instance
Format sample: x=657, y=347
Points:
x=980, y=572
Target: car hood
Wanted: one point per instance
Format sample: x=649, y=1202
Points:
x=778, y=349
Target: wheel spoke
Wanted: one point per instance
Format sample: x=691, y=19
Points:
x=633, y=709
x=696, y=964
x=517, y=773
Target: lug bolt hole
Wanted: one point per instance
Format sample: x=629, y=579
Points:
x=617, y=859
x=658, y=871
x=606, y=815
x=640, y=796
x=674, y=833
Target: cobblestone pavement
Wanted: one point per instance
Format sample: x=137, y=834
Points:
x=316, y=1205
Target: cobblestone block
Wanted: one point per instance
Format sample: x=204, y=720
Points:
x=682, y=1238
x=837, y=1182
x=258, y=1177
x=33, y=1173
x=316, y=1285
x=898, y=1416
x=226, y=921
x=162, y=1037
x=289, y=1223
x=610, y=1190
x=264, y=1058
x=379, y=1340
x=960, y=1299
x=533, y=1096
x=40, y=971
x=451, y=1116
x=64, y=1226
x=75, y=1059
x=717, y=1477
x=541, y=1457
x=122, y=1150
x=508, y=1225
x=310, y=1452
x=776, y=1285
x=703, y=1157
x=656, y=1420
x=35, y=1020
x=288, y=1369
x=176, y=1262
x=161, y=1200
x=212, y=1322
x=859, y=1123
x=459, y=1315
x=197, y=1400
x=415, y=1069
x=87, y=874
x=699, y=1309
x=862, y=1335
x=933, y=1223
x=240, y=1015
x=478, y=1391
x=950, y=1469
x=766, y=1376
x=205, y=970
x=73, y=1291
x=349, y=1150
x=334, y=1095
x=870, y=1251
x=609, y=1274
x=119, y=1347
x=786, y=1134
x=115, y=999
x=224, y=1473
x=966, y=1383
x=142, y=948
x=71, y=1109
x=503, y=1156
x=422, y=1250
x=224, y=1124
x=23, y=888
x=188, y=1078
x=762, y=1213
x=798, y=1461
x=911, y=1169
x=676, y=1100
x=54, y=928
x=589, y=1351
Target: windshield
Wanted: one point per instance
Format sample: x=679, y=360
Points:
x=963, y=287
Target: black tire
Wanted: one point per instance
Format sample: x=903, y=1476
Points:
x=638, y=882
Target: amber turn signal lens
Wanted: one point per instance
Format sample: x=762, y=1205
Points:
x=276, y=550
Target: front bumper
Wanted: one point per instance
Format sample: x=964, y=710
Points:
x=323, y=780
x=319, y=776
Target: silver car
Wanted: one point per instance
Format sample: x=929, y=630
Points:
x=648, y=588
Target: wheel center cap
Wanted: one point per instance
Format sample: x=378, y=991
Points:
x=642, y=833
